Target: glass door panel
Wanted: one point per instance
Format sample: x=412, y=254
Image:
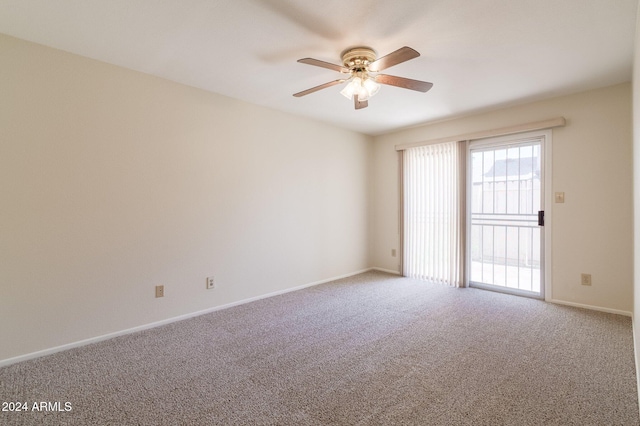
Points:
x=505, y=238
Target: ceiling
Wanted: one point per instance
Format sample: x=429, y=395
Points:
x=479, y=54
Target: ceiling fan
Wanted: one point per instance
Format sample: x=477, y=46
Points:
x=364, y=79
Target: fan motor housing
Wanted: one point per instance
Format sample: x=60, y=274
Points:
x=358, y=58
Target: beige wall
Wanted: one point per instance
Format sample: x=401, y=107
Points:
x=592, y=164
x=636, y=192
x=114, y=181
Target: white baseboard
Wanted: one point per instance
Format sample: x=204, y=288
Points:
x=593, y=308
x=390, y=271
x=108, y=336
x=96, y=339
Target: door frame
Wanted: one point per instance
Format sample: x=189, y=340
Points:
x=547, y=203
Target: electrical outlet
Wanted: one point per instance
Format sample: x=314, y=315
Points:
x=585, y=279
x=211, y=283
x=159, y=291
x=393, y=252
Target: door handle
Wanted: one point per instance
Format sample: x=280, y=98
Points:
x=541, y=218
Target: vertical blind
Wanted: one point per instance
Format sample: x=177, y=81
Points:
x=433, y=179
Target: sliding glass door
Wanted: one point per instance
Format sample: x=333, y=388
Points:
x=506, y=214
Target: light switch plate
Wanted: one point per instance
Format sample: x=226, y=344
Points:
x=559, y=197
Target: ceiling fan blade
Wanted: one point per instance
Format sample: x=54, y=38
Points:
x=323, y=64
x=360, y=104
x=405, y=83
x=315, y=89
x=394, y=58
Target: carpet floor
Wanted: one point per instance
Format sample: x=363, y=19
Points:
x=373, y=349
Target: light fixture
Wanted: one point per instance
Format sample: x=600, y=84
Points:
x=365, y=87
x=371, y=86
x=352, y=88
